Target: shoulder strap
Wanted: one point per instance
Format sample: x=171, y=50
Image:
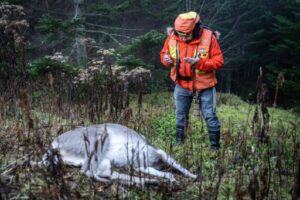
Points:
x=177, y=60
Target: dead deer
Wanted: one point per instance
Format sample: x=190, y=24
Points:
x=98, y=149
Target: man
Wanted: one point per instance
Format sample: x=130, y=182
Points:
x=193, y=54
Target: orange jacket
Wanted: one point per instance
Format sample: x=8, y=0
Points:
x=202, y=74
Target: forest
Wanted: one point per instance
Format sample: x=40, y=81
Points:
x=70, y=63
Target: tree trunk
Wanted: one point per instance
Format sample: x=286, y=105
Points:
x=228, y=82
x=80, y=44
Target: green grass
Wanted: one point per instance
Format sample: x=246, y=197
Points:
x=241, y=160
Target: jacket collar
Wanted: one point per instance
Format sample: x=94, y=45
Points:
x=193, y=41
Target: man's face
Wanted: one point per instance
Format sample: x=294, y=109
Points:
x=185, y=36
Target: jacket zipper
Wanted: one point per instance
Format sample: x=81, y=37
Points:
x=194, y=70
x=186, y=51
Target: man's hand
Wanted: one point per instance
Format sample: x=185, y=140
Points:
x=168, y=59
x=190, y=60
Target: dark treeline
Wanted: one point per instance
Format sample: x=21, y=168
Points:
x=254, y=34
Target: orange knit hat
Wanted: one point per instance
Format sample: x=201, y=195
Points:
x=185, y=22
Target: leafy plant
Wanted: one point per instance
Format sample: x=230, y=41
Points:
x=53, y=27
x=131, y=62
x=164, y=126
x=108, y=8
x=143, y=50
x=229, y=99
x=42, y=66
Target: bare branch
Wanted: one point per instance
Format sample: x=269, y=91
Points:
x=92, y=14
x=219, y=8
x=237, y=22
x=114, y=28
x=203, y=2
x=112, y=36
x=11, y=166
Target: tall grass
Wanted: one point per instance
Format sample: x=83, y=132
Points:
x=245, y=168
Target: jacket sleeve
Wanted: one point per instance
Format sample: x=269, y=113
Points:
x=165, y=50
x=215, y=60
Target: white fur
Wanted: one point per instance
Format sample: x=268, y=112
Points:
x=98, y=148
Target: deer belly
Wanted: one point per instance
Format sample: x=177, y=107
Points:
x=126, y=156
x=116, y=156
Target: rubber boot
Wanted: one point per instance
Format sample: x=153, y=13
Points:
x=179, y=136
x=214, y=138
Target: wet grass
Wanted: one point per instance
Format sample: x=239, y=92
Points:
x=245, y=168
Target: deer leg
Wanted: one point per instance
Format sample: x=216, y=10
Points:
x=104, y=171
x=155, y=172
x=92, y=155
x=128, y=180
x=170, y=161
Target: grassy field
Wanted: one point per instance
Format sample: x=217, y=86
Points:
x=245, y=167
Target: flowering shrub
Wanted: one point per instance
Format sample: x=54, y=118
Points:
x=56, y=64
x=104, y=66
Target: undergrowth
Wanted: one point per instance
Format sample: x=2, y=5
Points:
x=245, y=168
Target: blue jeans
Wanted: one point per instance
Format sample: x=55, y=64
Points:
x=207, y=104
